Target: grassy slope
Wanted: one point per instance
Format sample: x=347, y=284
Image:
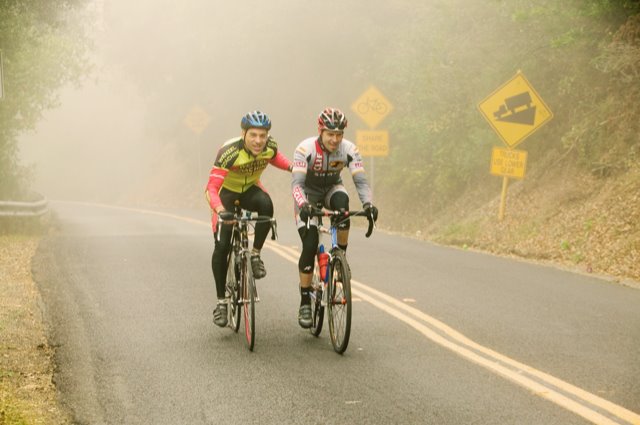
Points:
x=566, y=216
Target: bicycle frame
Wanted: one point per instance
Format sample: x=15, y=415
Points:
x=332, y=231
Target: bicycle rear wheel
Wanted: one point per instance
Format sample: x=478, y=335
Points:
x=233, y=292
x=339, y=302
x=249, y=301
x=317, y=309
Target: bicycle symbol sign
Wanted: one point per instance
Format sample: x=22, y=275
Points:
x=372, y=107
x=197, y=119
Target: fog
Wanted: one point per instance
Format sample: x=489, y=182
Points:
x=122, y=136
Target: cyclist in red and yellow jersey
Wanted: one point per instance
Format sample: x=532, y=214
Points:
x=236, y=176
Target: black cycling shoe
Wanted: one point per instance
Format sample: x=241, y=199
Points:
x=304, y=316
x=220, y=315
x=257, y=266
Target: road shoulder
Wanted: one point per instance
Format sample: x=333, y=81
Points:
x=27, y=391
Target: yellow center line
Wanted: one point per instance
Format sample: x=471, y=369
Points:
x=535, y=387
x=619, y=411
x=457, y=343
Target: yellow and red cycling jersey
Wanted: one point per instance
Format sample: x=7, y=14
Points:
x=236, y=169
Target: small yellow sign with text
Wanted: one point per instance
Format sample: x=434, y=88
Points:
x=508, y=162
x=373, y=143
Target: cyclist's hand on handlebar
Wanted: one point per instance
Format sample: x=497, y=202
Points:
x=371, y=210
x=306, y=211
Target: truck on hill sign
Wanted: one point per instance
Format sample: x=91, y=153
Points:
x=515, y=110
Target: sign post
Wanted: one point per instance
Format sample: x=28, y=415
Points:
x=1, y=78
x=372, y=107
x=503, y=198
x=514, y=111
x=197, y=120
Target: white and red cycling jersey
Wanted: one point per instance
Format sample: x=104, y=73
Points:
x=316, y=172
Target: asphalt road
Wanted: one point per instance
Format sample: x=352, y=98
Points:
x=439, y=335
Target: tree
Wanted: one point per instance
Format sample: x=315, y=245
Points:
x=44, y=47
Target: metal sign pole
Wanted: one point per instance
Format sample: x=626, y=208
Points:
x=372, y=170
x=503, y=198
x=1, y=78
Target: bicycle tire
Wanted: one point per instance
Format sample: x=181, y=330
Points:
x=317, y=309
x=233, y=292
x=248, y=301
x=339, y=302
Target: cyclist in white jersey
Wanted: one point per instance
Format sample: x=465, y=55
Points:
x=317, y=164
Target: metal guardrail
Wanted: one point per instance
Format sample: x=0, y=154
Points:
x=24, y=209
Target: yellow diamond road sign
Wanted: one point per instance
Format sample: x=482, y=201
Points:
x=515, y=110
x=372, y=107
x=197, y=119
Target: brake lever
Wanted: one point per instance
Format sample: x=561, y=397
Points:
x=372, y=225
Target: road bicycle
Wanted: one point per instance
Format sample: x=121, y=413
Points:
x=331, y=281
x=240, y=286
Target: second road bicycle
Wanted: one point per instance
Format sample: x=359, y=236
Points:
x=331, y=282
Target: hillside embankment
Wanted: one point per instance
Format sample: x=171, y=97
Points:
x=563, y=216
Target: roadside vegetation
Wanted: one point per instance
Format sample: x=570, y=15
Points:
x=578, y=203
x=43, y=48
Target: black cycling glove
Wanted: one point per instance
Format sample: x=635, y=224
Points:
x=306, y=211
x=371, y=210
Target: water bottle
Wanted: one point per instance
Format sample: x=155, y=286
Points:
x=323, y=262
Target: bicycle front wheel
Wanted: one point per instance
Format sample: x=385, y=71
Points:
x=339, y=302
x=233, y=292
x=249, y=301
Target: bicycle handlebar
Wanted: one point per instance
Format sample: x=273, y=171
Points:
x=240, y=216
x=344, y=215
